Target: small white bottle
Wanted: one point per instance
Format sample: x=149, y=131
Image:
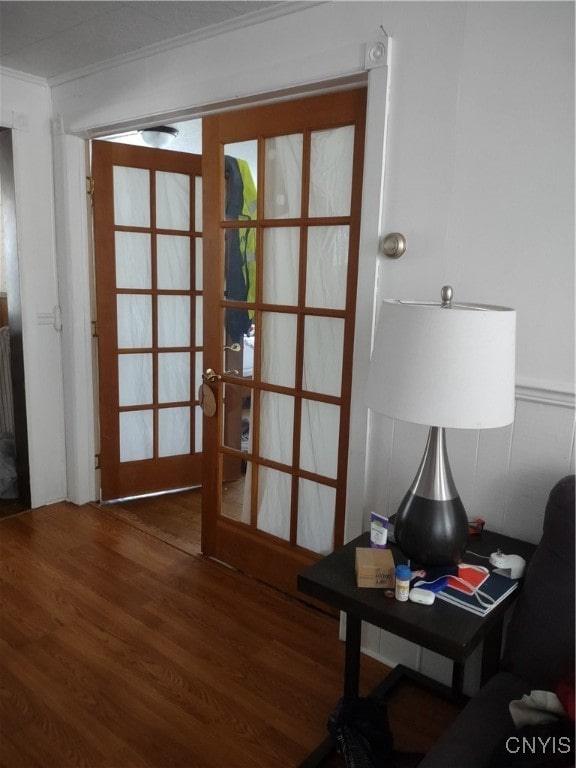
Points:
x=403, y=576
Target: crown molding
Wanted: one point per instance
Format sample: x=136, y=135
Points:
x=284, y=8
x=24, y=76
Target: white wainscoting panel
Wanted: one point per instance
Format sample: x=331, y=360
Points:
x=540, y=455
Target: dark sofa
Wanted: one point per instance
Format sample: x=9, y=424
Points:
x=538, y=655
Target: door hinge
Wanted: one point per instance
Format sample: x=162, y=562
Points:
x=94, y=324
x=90, y=186
x=97, y=458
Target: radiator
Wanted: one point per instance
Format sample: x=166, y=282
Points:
x=6, y=401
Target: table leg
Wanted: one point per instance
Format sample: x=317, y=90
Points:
x=352, y=658
x=491, y=650
x=351, y=687
x=457, y=678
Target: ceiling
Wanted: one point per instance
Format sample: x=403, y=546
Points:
x=52, y=39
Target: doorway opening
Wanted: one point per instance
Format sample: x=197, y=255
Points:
x=175, y=515
x=235, y=280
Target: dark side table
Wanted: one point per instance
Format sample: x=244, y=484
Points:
x=444, y=628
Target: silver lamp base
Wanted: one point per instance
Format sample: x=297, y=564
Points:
x=431, y=525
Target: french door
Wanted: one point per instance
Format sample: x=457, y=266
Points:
x=282, y=200
x=148, y=275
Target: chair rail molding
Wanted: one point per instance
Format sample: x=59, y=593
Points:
x=558, y=397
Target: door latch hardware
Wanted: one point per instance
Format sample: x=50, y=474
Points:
x=394, y=245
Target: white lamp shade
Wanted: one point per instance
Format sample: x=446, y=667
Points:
x=445, y=367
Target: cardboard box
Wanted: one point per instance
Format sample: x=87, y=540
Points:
x=374, y=568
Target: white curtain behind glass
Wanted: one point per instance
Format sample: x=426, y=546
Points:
x=135, y=316
x=330, y=195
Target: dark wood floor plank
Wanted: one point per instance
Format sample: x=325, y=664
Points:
x=118, y=650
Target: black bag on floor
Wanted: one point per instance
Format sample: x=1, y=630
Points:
x=360, y=727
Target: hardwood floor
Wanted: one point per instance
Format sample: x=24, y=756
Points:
x=119, y=650
x=172, y=517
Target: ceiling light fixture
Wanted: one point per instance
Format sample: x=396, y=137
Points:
x=160, y=136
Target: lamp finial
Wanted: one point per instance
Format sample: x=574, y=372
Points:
x=446, y=296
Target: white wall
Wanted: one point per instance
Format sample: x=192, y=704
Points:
x=25, y=108
x=479, y=177
x=481, y=181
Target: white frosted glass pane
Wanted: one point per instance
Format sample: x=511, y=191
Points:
x=199, y=335
x=173, y=321
x=279, y=348
x=198, y=368
x=276, y=427
x=136, y=435
x=134, y=379
x=274, y=493
x=323, y=347
x=331, y=155
x=131, y=197
x=199, y=265
x=283, y=177
x=172, y=200
x=319, y=438
x=197, y=429
x=316, y=510
x=134, y=320
x=280, y=265
x=327, y=267
x=198, y=204
x=173, y=431
x=133, y=268
x=173, y=257
x=173, y=377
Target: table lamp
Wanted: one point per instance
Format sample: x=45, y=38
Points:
x=444, y=365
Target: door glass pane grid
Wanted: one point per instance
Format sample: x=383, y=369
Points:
x=283, y=176
x=131, y=197
x=135, y=379
x=136, y=435
x=276, y=427
x=173, y=262
x=331, y=163
x=278, y=332
x=319, y=438
x=280, y=265
x=133, y=260
x=323, y=355
x=327, y=266
x=134, y=320
x=149, y=320
x=174, y=431
x=316, y=516
x=274, y=502
x=173, y=201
